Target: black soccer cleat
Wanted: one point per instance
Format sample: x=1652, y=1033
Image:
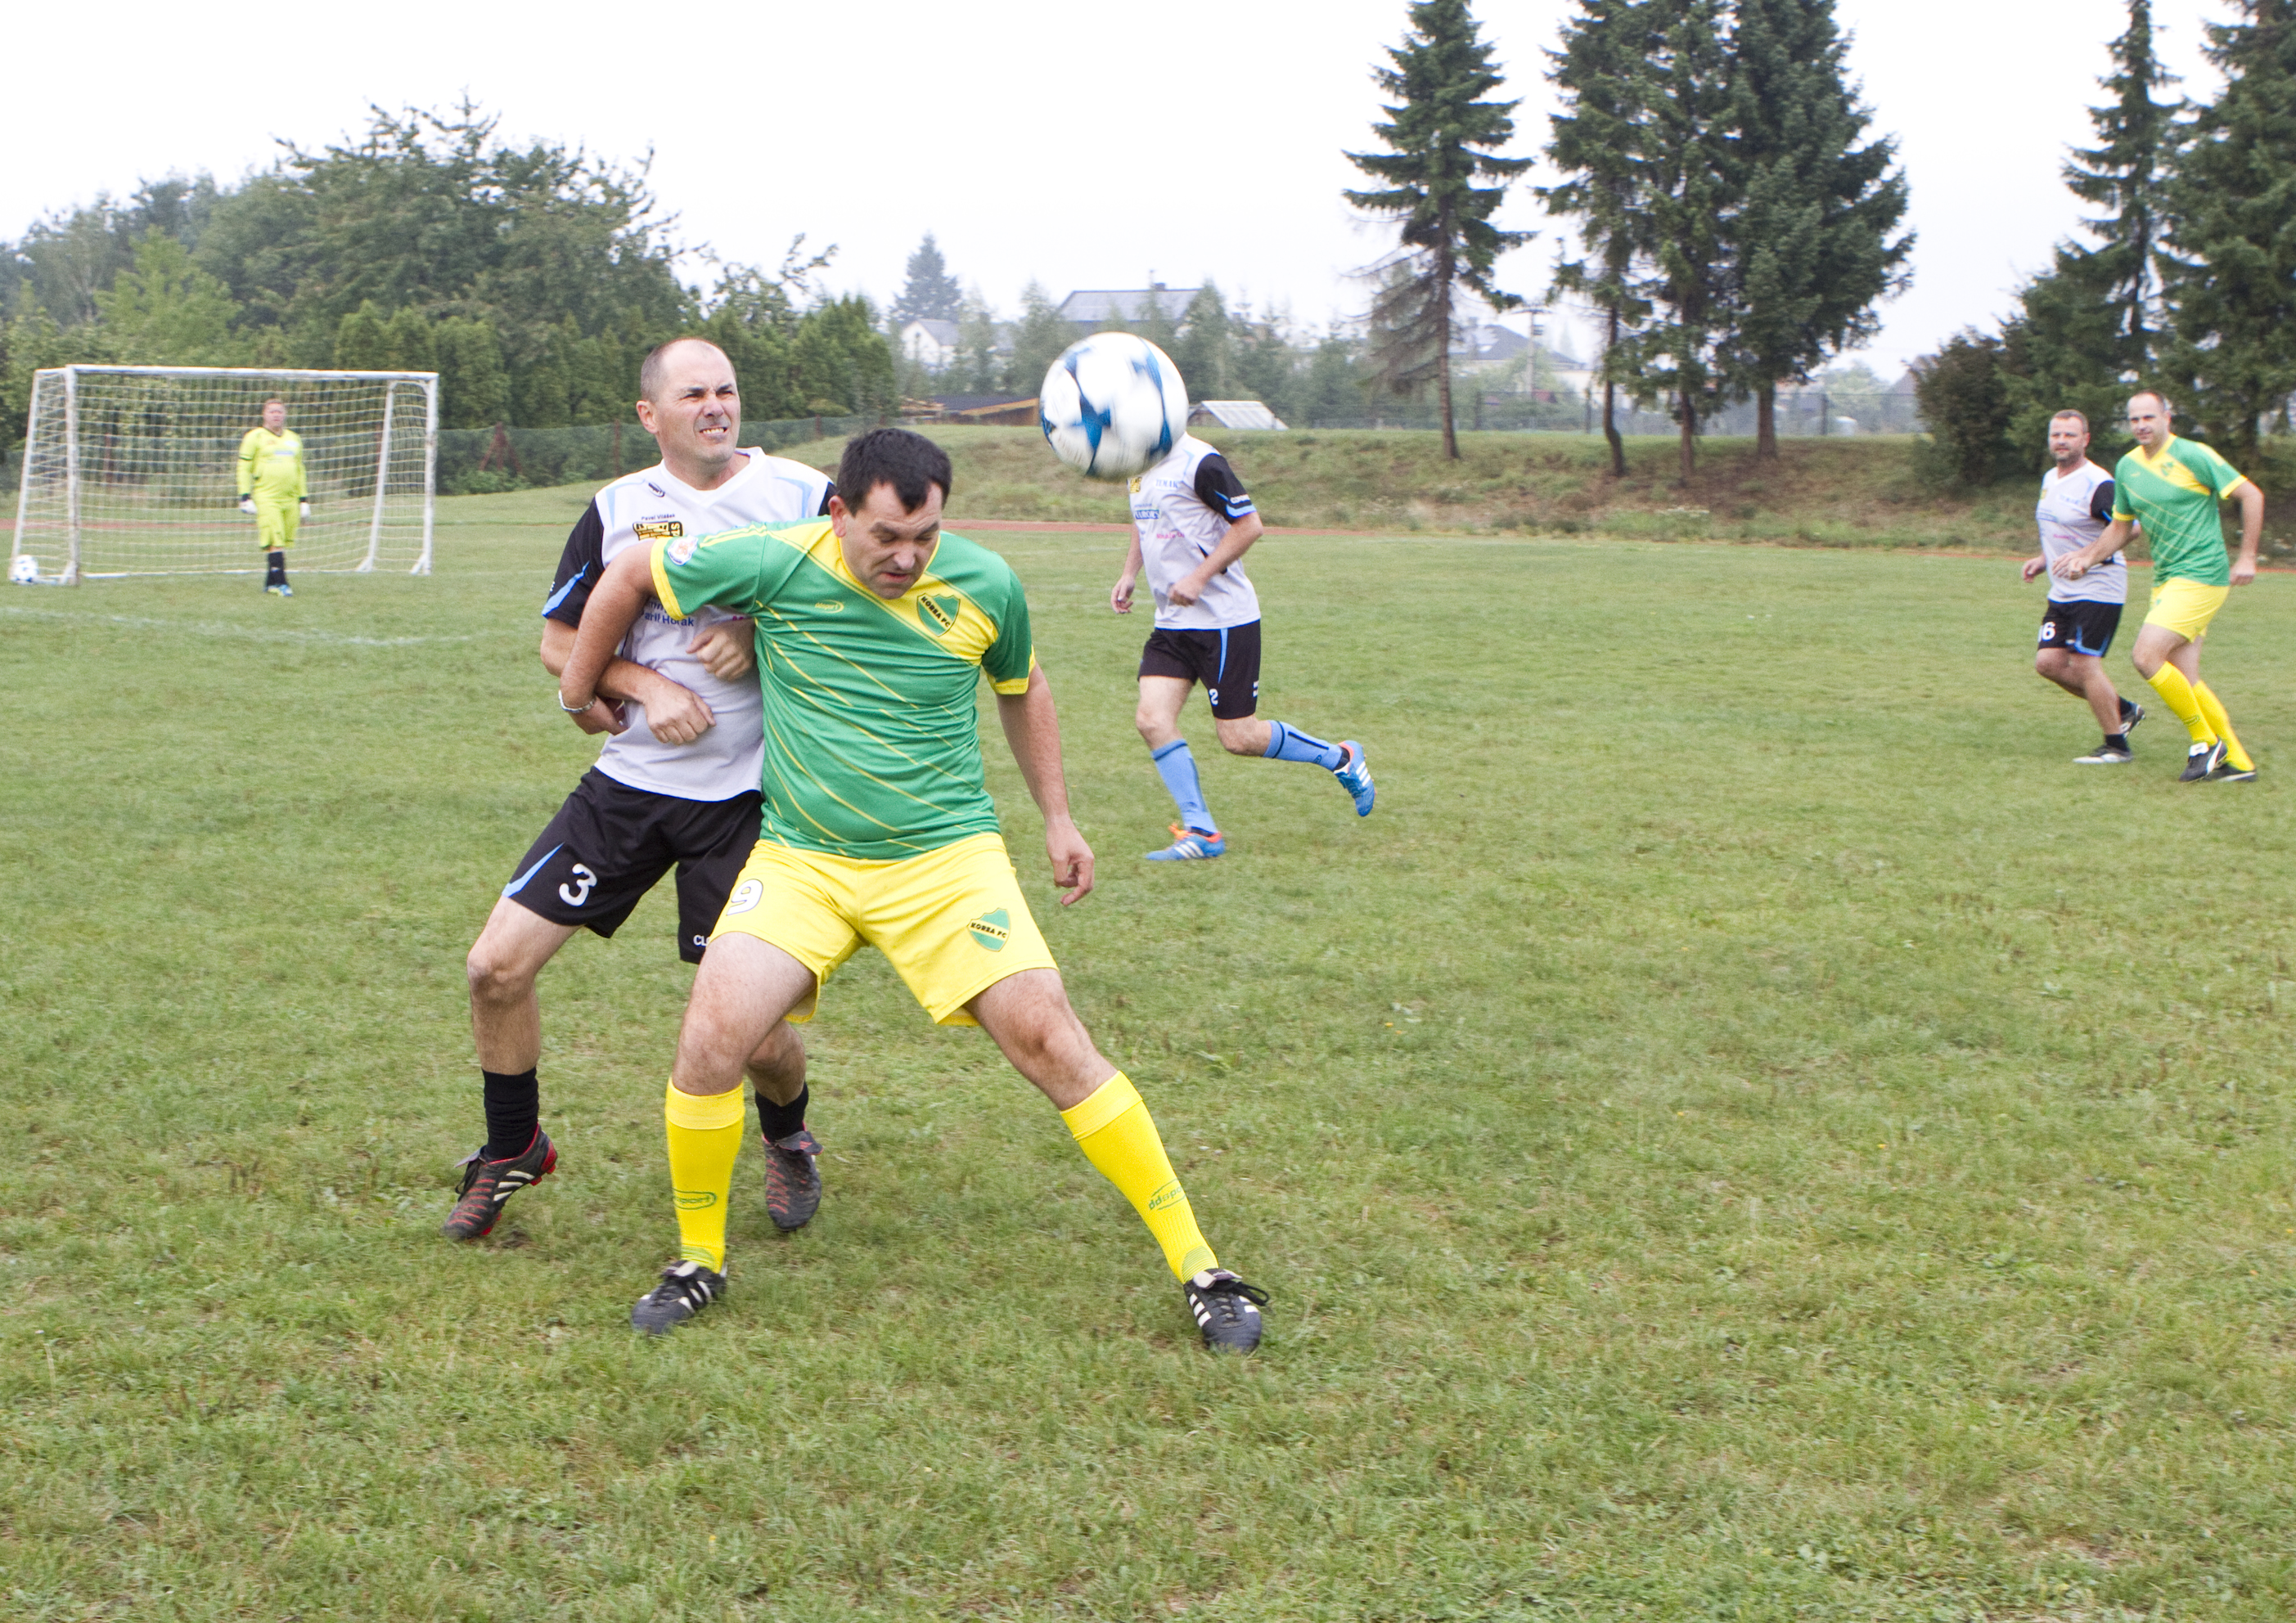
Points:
x=2230, y=773
x=2131, y=713
x=686, y=1288
x=1227, y=1310
x=2104, y=755
x=2203, y=759
x=792, y=1180
x=487, y=1185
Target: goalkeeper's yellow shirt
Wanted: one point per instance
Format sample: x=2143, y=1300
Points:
x=271, y=466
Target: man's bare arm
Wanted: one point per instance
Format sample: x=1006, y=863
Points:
x=2072, y=566
x=2251, y=532
x=1033, y=729
x=674, y=713
x=620, y=596
x=1232, y=546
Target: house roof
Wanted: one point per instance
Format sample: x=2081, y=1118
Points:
x=940, y=332
x=1236, y=414
x=1097, y=305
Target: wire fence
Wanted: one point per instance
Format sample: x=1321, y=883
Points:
x=1800, y=414
x=474, y=462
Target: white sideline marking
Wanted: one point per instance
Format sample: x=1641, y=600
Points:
x=215, y=628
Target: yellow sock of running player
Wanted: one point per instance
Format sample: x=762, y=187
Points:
x=705, y=1135
x=2213, y=708
x=2177, y=695
x=1118, y=1135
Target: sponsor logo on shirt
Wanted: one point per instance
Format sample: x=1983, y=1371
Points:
x=681, y=550
x=828, y=606
x=992, y=930
x=658, y=529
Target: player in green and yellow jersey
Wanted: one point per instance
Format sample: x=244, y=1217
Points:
x=274, y=490
x=2174, y=487
x=874, y=630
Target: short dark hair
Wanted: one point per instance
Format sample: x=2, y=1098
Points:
x=272, y=400
x=2075, y=416
x=2168, y=406
x=650, y=370
x=906, y=461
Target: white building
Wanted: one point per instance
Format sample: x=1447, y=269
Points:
x=932, y=344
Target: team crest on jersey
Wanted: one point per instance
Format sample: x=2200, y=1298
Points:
x=682, y=549
x=1135, y=484
x=658, y=529
x=941, y=611
x=992, y=930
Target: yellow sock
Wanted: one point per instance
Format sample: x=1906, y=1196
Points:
x=2177, y=695
x=705, y=1135
x=1118, y=1135
x=2213, y=708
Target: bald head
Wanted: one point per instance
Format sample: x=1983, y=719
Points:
x=655, y=369
x=689, y=404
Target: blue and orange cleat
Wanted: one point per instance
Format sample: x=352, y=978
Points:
x=1192, y=844
x=1354, y=776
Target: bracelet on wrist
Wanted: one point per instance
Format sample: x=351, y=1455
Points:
x=576, y=710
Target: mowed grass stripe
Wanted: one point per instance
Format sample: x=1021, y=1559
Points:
x=1746, y=1129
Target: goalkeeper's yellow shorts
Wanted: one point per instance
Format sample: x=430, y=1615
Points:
x=952, y=923
x=2185, y=607
x=276, y=524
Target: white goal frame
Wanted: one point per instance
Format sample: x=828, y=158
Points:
x=57, y=492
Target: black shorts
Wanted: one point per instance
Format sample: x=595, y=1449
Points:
x=1226, y=661
x=609, y=843
x=2080, y=627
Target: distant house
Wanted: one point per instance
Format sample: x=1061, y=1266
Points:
x=1487, y=344
x=931, y=344
x=1233, y=415
x=1091, y=309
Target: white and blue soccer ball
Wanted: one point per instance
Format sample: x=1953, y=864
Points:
x=1113, y=406
x=24, y=570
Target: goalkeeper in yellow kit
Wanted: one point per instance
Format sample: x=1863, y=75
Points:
x=273, y=491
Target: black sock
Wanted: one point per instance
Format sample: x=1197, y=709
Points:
x=2116, y=741
x=780, y=1120
x=513, y=1113
x=274, y=569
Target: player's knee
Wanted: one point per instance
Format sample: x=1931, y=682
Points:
x=1242, y=737
x=495, y=978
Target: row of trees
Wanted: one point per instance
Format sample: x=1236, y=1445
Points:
x=2187, y=282
x=533, y=279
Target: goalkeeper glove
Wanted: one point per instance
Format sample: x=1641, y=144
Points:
x=247, y=505
x=306, y=504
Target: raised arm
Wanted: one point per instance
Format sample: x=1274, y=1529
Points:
x=1033, y=730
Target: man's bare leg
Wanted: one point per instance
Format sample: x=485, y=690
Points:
x=2083, y=675
x=506, y=1022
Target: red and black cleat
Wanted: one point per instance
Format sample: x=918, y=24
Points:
x=792, y=1180
x=487, y=1185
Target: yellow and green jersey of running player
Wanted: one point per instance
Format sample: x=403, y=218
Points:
x=271, y=466
x=2174, y=492
x=873, y=736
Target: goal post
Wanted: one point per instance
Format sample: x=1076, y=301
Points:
x=134, y=471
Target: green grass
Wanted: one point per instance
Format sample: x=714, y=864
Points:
x=1746, y=1131
x=1864, y=492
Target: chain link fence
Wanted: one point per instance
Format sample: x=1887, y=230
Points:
x=474, y=462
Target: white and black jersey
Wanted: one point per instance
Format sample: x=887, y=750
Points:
x=1182, y=507
x=2073, y=512
x=638, y=510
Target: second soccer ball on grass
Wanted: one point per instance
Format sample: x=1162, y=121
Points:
x=1113, y=406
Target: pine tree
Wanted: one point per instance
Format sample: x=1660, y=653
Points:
x=1204, y=350
x=2124, y=174
x=1443, y=136
x=1810, y=241
x=1603, y=70
x=2231, y=260
x=929, y=293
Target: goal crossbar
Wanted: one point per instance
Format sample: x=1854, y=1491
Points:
x=133, y=470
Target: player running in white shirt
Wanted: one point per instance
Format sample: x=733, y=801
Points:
x=1192, y=522
x=675, y=785
x=2078, y=624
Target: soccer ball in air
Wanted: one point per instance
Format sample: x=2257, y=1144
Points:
x=23, y=568
x=1113, y=406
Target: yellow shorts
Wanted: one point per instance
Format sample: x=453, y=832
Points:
x=2185, y=607
x=952, y=921
x=276, y=524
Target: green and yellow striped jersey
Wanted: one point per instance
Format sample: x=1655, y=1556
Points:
x=271, y=465
x=872, y=739
x=2174, y=493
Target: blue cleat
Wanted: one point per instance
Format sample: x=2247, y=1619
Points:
x=1192, y=844
x=1355, y=778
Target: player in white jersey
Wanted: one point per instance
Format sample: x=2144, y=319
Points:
x=2078, y=624
x=675, y=785
x=1192, y=523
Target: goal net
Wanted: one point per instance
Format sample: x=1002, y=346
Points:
x=135, y=470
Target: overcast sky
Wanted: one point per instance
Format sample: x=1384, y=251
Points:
x=1083, y=146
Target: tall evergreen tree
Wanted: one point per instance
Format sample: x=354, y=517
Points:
x=2123, y=175
x=2231, y=262
x=929, y=293
x=1688, y=199
x=1603, y=73
x=1811, y=243
x=1205, y=348
x=1443, y=136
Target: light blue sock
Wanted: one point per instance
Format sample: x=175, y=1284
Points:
x=1177, y=768
x=1291, y=744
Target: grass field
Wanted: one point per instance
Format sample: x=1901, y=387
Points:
x=1746, y=1131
